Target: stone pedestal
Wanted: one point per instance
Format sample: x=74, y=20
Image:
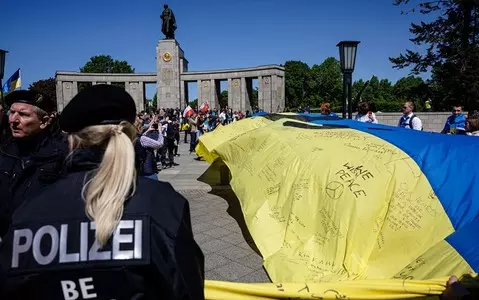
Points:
x=170, y=63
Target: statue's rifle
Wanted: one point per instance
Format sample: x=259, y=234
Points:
x=358, y=95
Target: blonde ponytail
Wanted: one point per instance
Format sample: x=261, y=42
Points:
x=115, y=179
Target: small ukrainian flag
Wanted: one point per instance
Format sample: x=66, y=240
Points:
x=13, y=83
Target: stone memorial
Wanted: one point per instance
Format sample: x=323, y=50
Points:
x=172, y=78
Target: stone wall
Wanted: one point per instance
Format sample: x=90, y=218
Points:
x=432, y=121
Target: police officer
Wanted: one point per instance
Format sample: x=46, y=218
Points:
x=102, y=232
x=33, y=156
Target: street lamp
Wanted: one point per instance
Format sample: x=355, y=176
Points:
x=347, y=56
x=2, y=72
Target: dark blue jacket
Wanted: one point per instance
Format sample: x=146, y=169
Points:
x=151, y=255
x=26, y=168
x=145, y=159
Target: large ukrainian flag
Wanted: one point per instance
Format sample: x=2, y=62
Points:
x=353, y=210
x=13, y=83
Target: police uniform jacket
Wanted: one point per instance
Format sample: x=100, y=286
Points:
x=26, y=168
x=50, y=250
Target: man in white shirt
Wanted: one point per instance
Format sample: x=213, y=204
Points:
x=409, y=120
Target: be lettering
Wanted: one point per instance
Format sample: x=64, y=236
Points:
x=85, y=286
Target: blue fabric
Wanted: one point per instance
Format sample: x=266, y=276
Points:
x=466, y=243
x=455, y=123
x=152, y=176
x=448, y=161
x=259, y=114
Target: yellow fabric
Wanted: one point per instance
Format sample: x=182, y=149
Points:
x=185, y=127
x=369, y=289
x=446, y=262
x=333, y=207
x=208, y=142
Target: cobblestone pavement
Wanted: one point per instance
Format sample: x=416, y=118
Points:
x=218, y=224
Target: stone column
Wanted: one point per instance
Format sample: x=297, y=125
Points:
x=67, y=93
x=230, y=93
x=141, y=97
x=274, y=93
x=183, y=94
x=74, y=88
x=280, y=88
x=59, y=91
x=137, y=94
x=236, y=94
x=267, y=93
x=260, y=93
x=243, y=94
x=205, y=92
x=213, y=94
x=199, y=88
x=168, y=56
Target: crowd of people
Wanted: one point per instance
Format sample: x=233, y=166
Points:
x=81, y=217
x=164, y=128
x=456, y=123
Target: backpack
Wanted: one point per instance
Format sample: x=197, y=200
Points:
x=410, y=122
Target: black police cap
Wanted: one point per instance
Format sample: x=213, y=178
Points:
x=32, y=97
x=97, y=105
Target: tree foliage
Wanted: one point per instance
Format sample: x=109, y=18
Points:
x=46, y=86
x=223, y=99
x=106, y=64
x=323, y=83
x=154, y=102
x=451, y=53
x=254, y=98
x=297, y=80
x=193, y=104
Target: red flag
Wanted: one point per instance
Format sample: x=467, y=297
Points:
x=204, y=108
x=188, y=112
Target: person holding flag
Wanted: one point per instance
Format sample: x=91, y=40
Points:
x=190, y=116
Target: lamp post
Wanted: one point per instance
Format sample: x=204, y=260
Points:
x=2, y=72
x=347, y=56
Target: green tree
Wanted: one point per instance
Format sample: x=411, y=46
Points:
x=297, y=77
x=223, y=99
x=46, y=86
x=106, y=64
x=154, y=102
x=193, y=104
x=254, y=98
x=451, y=53
x=326, y=83
x=406, y=88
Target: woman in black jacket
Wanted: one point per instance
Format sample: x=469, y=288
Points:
x=102, y=232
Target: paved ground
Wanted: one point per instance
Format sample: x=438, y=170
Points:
x=218, y=224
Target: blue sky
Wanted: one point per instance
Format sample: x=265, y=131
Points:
x=45, y=36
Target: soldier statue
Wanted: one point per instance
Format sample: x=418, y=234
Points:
x=168, y=25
